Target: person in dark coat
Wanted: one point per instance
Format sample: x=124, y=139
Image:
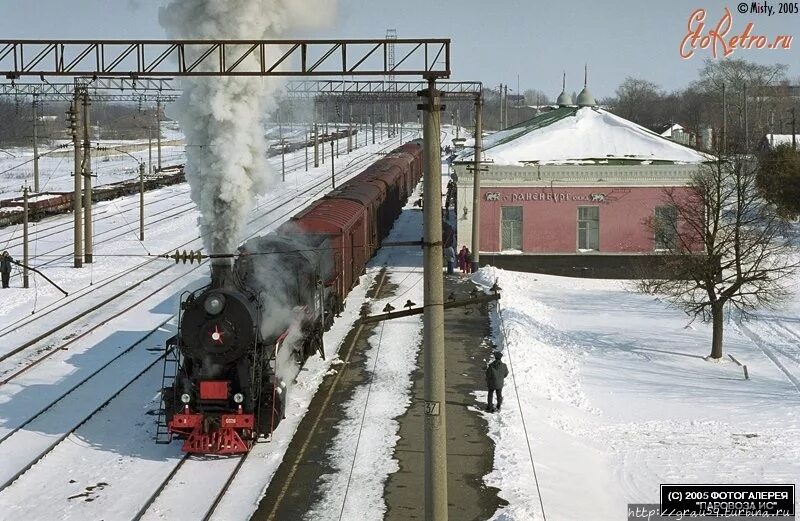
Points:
x=468, y=260
x=5, y=268
x=496, y=374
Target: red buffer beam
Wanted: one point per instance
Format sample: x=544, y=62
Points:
x=429, y=58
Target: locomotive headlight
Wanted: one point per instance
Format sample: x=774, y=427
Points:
x=238, y=397
x=185, y=398
x=214, y=304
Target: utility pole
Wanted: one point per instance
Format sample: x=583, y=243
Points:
x=78, y=195
x=458, y=122
x=149, y=151
x=280, y=142
x=141, y=201
x=794, y=129
x=372, y=120
x=35, y=148
x=433, y=317
x=505, y=107
x=724, y=122
x=350, y=130
x=306, y=147
x=316, y=145
x=333, y=174
x=158, y=130
x=87, y=180
x=25, y=237
x=476, y=186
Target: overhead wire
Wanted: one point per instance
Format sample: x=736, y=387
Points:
x=363, y=417
x=519, y=407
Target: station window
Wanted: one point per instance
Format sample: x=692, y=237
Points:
x=665, y=228
x=588, y=227
x=511, y=228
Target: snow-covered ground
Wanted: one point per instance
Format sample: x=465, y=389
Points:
x=609, y=394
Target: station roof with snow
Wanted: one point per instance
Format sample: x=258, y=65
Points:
x=582, y=135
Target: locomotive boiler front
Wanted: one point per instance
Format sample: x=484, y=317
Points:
x=218, y=326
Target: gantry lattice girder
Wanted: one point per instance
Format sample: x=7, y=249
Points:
x=361, y=91
x=429, y=58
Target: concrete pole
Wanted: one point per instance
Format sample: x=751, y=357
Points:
x=724, y=146
x=316, y=145
x=280, y=143
x=141, y=201
x=746, y=130
x=35, y=146
x=476, y=186
x=333, y=173
x=78, y=194
x=372, y=120
x=158, y=131
x=794, y=130
x=87, y=182
x=306, y=147
x=149, y=151
x=458, y=122
x=25, y=283
x=433, y=317
x=350, y=131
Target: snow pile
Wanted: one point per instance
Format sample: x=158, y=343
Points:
x=221, y=116
x=589, y=135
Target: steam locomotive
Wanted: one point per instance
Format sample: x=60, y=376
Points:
x=243, y=338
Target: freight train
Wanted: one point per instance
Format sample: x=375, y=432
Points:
x=243, y=338
x=290, y=145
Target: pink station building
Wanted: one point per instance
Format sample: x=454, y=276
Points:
x=571, y=190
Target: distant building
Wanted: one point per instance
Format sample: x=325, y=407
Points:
x=570, y=191
x=770, y=141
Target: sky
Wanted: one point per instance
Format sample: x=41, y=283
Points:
x=492, y=41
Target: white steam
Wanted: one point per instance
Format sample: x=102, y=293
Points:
x=222, y=116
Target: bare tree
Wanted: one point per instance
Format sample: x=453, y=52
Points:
x=727, y=247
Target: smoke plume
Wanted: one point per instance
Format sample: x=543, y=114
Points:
x=222, y=116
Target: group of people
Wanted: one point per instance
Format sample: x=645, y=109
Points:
x=463, y=260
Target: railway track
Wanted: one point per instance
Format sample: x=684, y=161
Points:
x=74, y=317
x=82, y=401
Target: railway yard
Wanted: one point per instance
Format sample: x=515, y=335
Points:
x=247, y=277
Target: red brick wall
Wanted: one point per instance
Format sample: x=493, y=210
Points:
x=550, y=225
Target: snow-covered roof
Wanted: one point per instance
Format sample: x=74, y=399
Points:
x=585, y=135
x=667, y=130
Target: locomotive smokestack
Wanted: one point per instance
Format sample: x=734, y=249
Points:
x=221, y=273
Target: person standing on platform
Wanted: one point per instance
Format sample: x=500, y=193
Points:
x=468, y=260
x=5, y=268
x=462, y=259
x=450, y=259
x=496, y=374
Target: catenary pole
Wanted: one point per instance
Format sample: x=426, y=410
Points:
x=316, y=145
x=87, y=182
x=476, y=185
x=35, y=145
x=141, y=201
x=25, y=282
x=158, y=133
x=78, y=195
x=433, y=317
x=333, y=173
